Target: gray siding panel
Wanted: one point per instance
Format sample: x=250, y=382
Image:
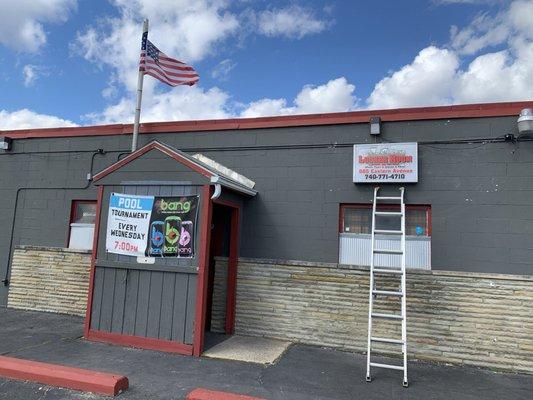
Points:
x=97, y=297
x=119, y=300
x=108, y=295
x=154, y=304
x=167, y=306
x=191, y=307
x=130, y=307
x=179, y=315
x=143, y=298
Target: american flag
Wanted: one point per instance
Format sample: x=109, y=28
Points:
x=168, y=70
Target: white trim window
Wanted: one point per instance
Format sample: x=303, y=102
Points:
x=81, y=228
x=355, y=236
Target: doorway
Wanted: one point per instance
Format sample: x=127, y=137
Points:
x=222, y=268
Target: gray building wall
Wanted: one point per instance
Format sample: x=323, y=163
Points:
x=482, y=213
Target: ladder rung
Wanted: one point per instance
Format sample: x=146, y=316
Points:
x=388, y=271
x=389, y=213
x=378, y=365
x=387, y=232
x=387, y=251
x=389, y=316
x=388, y=198
x=387, y=293
x=386, y=340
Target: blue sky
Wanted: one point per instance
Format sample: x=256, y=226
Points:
x=73, y=62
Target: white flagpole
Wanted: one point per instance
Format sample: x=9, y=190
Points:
x=135, y=137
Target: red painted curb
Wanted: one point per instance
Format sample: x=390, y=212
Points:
x=206, y=394
x=66, y=377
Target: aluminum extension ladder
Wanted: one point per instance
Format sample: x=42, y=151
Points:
x=399, y=255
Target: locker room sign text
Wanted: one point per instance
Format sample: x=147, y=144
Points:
x=385, y=163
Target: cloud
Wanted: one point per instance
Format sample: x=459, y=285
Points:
x=30, y=75
x=292, y=22
x=22, y=22
x=187, y=30
x=427, y=80
x=222, y=69
x=32, y=72
x=437, y=75
x=502, y=76
x=187, y=103
x=182, y=103
x=484, y=31
x=183, y=29
x=25, y=119
x=202, y=27
x=335, y=95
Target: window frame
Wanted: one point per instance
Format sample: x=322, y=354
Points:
x=73, y=214
x=366, y=206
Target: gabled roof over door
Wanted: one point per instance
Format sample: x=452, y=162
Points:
x=201, y=165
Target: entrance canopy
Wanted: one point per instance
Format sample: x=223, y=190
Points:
x=215, y=173
x=150, y=261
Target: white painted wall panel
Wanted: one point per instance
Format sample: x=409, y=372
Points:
x=354, y=249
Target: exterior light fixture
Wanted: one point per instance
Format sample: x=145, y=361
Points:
x=375, y=125
x=525, y=121
x=5, y=143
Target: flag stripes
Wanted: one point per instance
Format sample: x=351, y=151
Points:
x=168, y=70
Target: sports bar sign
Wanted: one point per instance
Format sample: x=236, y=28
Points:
x=385, y=162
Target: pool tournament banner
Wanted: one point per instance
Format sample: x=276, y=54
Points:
x=128, y=221
x=385, y=162
x=151, y=226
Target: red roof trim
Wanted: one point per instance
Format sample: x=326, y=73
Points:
x=401, y=114
x=153, y=146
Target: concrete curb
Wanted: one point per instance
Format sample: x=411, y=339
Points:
x=62, y=376
x=206, y=394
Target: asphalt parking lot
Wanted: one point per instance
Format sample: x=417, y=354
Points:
x=303, y=372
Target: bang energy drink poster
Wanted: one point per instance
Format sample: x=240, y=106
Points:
x=172, y=227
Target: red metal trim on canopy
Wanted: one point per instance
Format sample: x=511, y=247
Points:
x=153, y=146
